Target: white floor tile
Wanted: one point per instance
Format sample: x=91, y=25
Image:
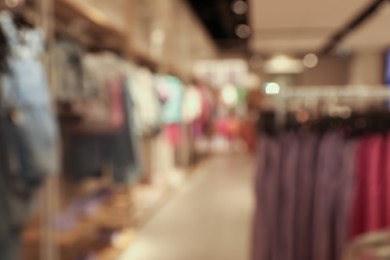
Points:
x=209, y=219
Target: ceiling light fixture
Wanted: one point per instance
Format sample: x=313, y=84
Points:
x=240, y=7
x=11, y=3
x=310, y=60
x=243, y=31
x=283, y=64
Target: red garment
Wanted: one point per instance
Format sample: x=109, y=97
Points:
x=367, y=209
x=375, y=172
x=385, y=189
x=229, y=127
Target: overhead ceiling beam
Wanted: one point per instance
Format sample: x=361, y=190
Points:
x=353, y=25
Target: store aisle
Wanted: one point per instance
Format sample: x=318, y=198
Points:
x=209, y=219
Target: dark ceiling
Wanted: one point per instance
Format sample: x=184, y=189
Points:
x=221, y=21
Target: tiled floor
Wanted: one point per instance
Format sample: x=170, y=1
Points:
x=209, y=219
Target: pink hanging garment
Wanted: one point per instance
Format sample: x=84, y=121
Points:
x=117, y=117
x=173, y=133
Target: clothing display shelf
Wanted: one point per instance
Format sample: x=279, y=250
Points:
x=96, y=19
x=68, y=12
x=92, y=16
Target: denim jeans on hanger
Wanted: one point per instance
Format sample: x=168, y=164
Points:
x=28, y=129
x=33, y=132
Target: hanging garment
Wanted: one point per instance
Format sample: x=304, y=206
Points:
x=345, y=189
x=173, y=134
x=26, y=95
x=374, y=200
x=368, y=210
x=172, y=109
x=87, y=154
x=305, y=196
x=266, y=220
x=68, y=70
x=103, y=78
x=329, y=210
x=192, y=104
x=29, y=133
x=304, y=187
x=105, y=115
x=126, y=154
x=287, y=192
x=358, y=220
x=386, y=182
x=147, y=108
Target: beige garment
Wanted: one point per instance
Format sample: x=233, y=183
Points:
x=192, y=104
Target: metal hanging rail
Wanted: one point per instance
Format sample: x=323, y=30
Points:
x=336, y=92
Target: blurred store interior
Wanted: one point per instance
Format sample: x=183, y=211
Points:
x=194, y=129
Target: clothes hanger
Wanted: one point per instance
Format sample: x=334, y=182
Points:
x=4, y=52
x=21, y=21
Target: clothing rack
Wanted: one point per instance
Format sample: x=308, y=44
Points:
x=358, y=91
x=48, y=14
x=302, y=153
x=39, y=13
x=93, y=17
x=314, y=97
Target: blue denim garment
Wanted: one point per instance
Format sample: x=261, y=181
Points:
x=25, y=85
x=16, y=195
x=39, y=142
x=29, y=141
x=33, y=135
